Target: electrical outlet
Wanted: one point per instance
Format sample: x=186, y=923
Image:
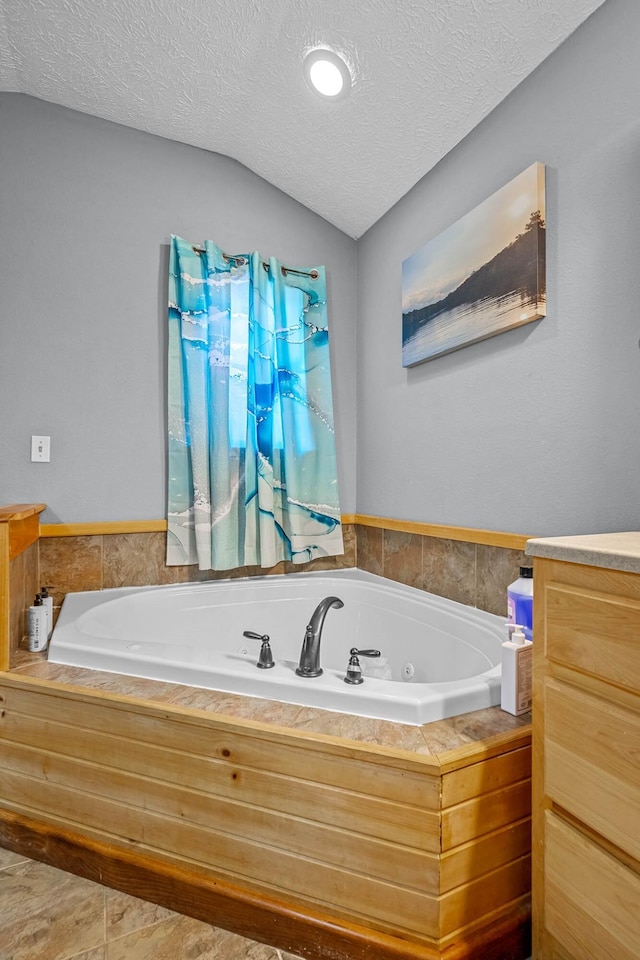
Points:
x=40, y=449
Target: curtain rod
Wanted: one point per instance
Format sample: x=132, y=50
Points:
x=241, y=261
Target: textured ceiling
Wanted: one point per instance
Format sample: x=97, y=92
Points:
x=226, y=75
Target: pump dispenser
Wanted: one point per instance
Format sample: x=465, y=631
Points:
x=37, y=625
x=47, y=602
x=517, y=666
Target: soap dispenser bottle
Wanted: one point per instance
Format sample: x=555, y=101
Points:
x=47, y=603
x=517, y=664
x=37, y=625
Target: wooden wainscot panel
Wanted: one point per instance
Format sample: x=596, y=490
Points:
x=481, y=856
x=476, y=899
x=301, y=929
x=222, y=824
x=486, y=776
x=591, y=899
x=385, y=819
x=479, y=816
x=232, y=859
x=393, y=775
x=237, y=821
x=591, y=769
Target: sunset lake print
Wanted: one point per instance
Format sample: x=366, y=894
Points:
x=483, y=275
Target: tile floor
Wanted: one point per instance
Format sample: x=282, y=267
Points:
x=46, y=914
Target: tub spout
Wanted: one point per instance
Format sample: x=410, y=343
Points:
x=309, y=665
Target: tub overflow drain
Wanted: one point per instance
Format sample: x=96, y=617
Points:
x=408, y=671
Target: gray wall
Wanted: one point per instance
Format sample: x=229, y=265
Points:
x=87, y=208
x=535, y=431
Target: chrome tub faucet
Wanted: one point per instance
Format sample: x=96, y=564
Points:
x=309, y=665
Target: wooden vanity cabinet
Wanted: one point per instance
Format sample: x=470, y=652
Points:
x=586, y=762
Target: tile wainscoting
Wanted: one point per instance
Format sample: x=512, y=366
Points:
x=470, y=572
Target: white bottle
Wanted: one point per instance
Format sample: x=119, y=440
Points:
x=517, y=668
x=47, y=603
x=37, y=625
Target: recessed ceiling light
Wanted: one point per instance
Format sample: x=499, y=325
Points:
x=327, y=73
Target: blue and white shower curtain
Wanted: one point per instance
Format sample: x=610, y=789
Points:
x=252, y=461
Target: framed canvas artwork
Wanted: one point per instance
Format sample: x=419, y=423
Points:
x=483, y=275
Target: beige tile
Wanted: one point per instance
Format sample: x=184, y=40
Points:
x=350, y=556
x=402, y=557
x=100, y=953
x=471, y=727
x=235, y=705
x=123, y=684
x=231, y=946
x=262, y=711
x=497, y=567
x=398, y=736
x=181, y=937
x=138, y=560
x=99, y=680
x=369, y=549
x=70, y=564
x=125, y=914
x=449, y=569
x=10, y=859
x=36, y=665
x=48, y=914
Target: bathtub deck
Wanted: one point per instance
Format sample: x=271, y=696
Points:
x=292, y=819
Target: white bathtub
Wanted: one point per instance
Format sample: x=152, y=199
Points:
x=443, y=657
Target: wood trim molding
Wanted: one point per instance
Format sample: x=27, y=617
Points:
x=491, y=538
x=119, y=526
x=99, y=529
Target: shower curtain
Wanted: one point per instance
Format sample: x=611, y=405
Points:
x=252, y=462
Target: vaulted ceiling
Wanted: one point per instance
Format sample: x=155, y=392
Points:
x=226, y=75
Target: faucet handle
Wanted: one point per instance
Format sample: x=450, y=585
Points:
x=252, y=635
x=265, y=660
x=354, y=670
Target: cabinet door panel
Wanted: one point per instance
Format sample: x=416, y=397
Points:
x=592, y=901
x=592, y=762
x=597, y=633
